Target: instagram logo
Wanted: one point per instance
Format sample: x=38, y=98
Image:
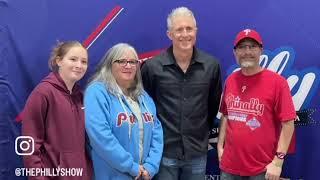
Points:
x=24, y=145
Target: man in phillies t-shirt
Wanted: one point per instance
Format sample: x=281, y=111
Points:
x=257, y=116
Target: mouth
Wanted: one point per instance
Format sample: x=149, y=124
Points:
x=78, y=72
x=185, y=40
x=248, y=58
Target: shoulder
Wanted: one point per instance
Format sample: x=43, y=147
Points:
x=234, y=76
x=43, y=93
x=47, y=85
x=157, y=60
x=274, y=76
x=147, y=98
x=207, y=58
x=96, y=89
x=96, y=85
x=163, y=55
x=44, y=89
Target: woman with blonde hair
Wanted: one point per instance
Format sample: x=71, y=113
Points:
x=54, y=117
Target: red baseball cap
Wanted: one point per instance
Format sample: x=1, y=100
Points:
x=248, y=33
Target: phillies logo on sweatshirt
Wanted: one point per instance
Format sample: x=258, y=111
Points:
x=123, y=118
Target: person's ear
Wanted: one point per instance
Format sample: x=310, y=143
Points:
x=234, y=52
x=170, y=35
x=58, y=61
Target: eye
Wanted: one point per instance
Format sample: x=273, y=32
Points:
x=84, y=61
x=189, y=29
x=179, y=30
x=254, y=46
x=73, y=59
x=133, y=62
x=122, y=61
x=242, y=46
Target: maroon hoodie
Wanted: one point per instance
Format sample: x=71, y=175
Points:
x=54, y=118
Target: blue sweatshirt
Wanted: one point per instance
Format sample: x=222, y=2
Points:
x=114, y=137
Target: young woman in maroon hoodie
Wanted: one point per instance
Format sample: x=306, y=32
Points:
x=54, y=116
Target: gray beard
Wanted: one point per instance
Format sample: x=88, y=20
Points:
x=247, y=64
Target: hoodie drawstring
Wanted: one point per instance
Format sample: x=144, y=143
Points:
x=123, y=106
x=143, y=103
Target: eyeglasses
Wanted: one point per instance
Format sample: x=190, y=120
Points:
x=180, y=31
x=252, y=47
x=124, y=62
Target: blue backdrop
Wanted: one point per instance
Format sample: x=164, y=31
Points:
x=290, y=31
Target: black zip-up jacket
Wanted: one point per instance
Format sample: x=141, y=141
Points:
x=187, y=103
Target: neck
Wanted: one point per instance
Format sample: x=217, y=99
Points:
x=183, y=59
x=69, y=84
x=124, y=87
x=251, y=71
x=182, y=56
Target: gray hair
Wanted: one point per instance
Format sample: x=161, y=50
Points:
x=104, y=71
x=180, y=11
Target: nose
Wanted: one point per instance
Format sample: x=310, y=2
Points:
x=184, y=32
x=247, y=50
x=128, y=65
x=78, y=64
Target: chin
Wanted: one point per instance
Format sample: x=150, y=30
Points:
x=128, y=78
x=77, y=78
x=186, y=47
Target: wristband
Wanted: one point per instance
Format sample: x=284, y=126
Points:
x=280, y=155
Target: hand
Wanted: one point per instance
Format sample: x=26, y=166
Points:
x=146, y=175
x=273, y=171
x=141, y=169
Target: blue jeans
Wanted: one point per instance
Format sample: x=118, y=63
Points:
x=175, y=169
x=227, y=176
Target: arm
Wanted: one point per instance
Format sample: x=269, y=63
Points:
x=152, y=162
x=222, y=135
x=99, y=130
x=285, y=137
x=33, y=125
x=284, y=108
x=275, y=167
x=214, y=95
x=147, y=78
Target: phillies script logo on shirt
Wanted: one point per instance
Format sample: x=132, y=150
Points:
x=122, y=117
x=253, y=107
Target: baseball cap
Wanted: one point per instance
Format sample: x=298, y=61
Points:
x=248, y=33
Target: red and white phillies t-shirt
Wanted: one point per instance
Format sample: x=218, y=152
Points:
x=255, y=105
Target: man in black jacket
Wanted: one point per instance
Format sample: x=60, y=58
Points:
x=185, y=84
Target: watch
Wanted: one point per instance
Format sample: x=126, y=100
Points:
x=280, y=155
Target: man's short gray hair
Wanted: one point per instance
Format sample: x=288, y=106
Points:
x=180, y=11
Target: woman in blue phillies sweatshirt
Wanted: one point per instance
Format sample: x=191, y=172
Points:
x=125, y=135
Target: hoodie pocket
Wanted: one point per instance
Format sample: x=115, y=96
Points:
x=71, y=160
x=75, y=163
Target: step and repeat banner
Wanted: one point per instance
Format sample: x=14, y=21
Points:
x=290, y=31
